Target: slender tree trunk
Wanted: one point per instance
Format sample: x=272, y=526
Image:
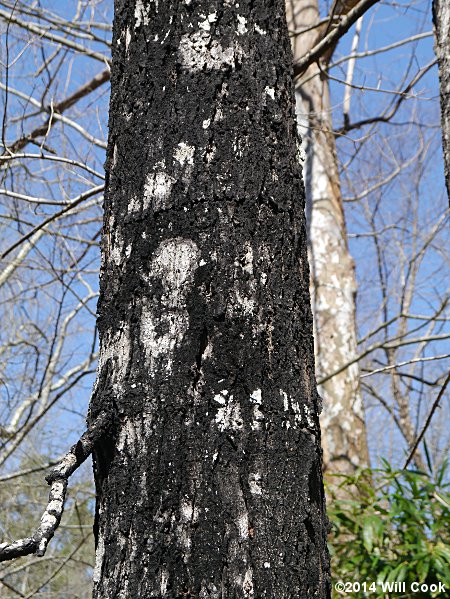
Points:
x=441, y=20
x=209, y=482
x=333, y=284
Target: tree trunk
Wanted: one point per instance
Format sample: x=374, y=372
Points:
x=441, y=20
x=209, y=482
x=333, y=284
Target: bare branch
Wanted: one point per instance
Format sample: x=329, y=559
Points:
x=367, y=53
x=43, y=33
x=58, y=479
x=51, y=158
x=59, y=108
x=332, y=37
x=388, y=115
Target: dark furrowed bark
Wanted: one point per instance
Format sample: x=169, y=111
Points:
x=209, y=481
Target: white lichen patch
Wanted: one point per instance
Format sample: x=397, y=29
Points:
x=248, y=259
x=258, y=418
x=188, y=515
x=127, y=38
x=157, y=192
x=114, y=160
x=243, y=303
x=221, y=397
x=208, y=351
x=55, y=506
x=99, y=555
x=256, y=396
x=242, y=525
x=116, y=348
x=210, y=153
x=184, y=154
x=244, y=288
x=269, y=91
x=205, y=24
x=247, y=586
x=309, y=416
x=188, y=512
x=58, y=490
x=174, y=264
x=127, y=435
x=229, y=416
x=260, y=31
x=254, y=483
x=291, y=405
x=164, y=581
x=206, y=123
x=116, y=254
x=242, y=25
x=114, y=242
x=48, y=522
x=141, y=14
x=297, y=411
x=198, y=51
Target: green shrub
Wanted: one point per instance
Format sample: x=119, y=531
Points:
x=394, y=526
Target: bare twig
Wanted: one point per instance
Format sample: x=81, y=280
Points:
x=81, y=198
x=386, y=345
x=414, y=361
x=427, y=423
x=57, y=39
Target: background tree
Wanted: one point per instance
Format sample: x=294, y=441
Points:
x=323, y=175
x=333, y=285
x=441, y=20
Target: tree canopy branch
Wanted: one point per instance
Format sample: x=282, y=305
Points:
x=332, y=37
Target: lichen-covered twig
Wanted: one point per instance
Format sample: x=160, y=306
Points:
x=58, y=479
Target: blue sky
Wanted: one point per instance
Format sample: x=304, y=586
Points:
x=383, y=25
